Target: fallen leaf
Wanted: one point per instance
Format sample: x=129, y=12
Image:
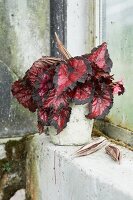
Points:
x=113, y=152
x=90, y=148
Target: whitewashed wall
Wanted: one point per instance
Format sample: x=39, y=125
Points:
x=24, y=37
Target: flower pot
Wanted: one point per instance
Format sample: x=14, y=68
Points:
x=78, y=130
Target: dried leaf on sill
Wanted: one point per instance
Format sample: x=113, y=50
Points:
x=90, y=148
x=113, y=152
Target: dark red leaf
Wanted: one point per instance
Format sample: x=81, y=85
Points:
x=67, y=75
x=103, y=74
x=37, y=69
x=43, y=84
x=60, y=118
x=103, y=77
x=55, y=101
x=118, y=88
x=101, y=104
x=80, y=67
x=70, y=93
x=23, y=94
x=83, y=93
x=100, y=57
x=43, y=116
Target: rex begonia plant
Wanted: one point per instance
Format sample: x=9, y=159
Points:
x=52, y=84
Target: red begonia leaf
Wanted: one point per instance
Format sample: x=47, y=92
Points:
x=70, y=93
x=103, y=77
x=103, y=74
x=23, y=94
x=37, y=69
x=60, y=118
x=100, y=57
x=54, y=101
x=42, y=65
x=43, y=84
x=43, y=116
x=118, y=88
x=68, y=74
x=80, y=67
x=101, y=104
x=83, y=93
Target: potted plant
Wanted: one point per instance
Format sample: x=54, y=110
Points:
x=69, y=93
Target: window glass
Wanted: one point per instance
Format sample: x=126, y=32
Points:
x=117, y=30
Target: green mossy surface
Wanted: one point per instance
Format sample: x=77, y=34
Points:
x=13, y=167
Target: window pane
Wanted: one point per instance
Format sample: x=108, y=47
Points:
x=117, y=30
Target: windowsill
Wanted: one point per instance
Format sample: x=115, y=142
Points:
x=110, y=129
x=95, y=177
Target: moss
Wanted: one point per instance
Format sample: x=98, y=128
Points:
x=6, y=167
x=12, y=168
x=107, y=120
x=99, y=133
x=10, y=193
x=124, y=128
x=119, y=125
x=17, y=149
x=32, y=170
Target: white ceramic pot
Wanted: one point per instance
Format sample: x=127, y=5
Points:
x=78, y=130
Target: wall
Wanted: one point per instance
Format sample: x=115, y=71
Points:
x=24, y=37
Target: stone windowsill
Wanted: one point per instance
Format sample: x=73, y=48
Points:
x=94, y=177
